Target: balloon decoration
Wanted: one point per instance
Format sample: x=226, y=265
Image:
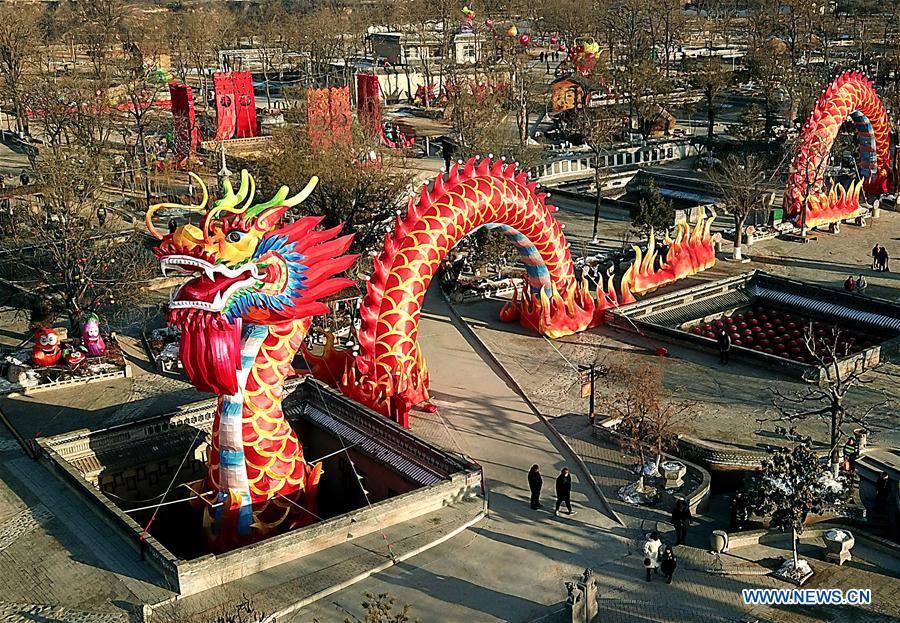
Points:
x=255, y=284
x=91, y=338
x=585, y=56
x=852, y=96
x=689, y=253
x=468, y=21
x=389, y=373
x=46, y=351
x=74, y=355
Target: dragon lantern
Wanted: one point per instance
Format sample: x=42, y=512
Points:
x=254, y=285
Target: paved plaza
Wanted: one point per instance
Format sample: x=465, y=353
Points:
x=511, y=565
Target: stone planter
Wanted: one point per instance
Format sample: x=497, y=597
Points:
x=718, y=541
x=838, y=543
x=673, y=472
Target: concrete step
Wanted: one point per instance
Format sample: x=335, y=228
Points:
x=874, y=461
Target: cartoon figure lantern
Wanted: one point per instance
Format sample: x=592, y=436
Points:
x=46, y=350
x=91, y=338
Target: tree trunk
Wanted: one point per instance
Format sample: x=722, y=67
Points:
x=710, y=113
x=738, y=237
x=598, y=199
x=794, y=546
x=143, y=159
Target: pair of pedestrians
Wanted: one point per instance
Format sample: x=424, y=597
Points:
x=659, y=557
x=563, y=489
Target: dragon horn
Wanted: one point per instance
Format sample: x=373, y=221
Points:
x=148, y=219
x=303, y=194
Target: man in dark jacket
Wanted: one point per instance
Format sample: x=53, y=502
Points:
x=724, y=346
x=535, y=483
x=447, y=153
x=564, y=491
x=681, y=519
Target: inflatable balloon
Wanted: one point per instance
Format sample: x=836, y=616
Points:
x=46, y=350
x=512, y=32
x=74, y=355
x=91, y=338
x=524, y=39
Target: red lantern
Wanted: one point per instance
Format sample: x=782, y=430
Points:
x=524, y=39
x=562, y=47
x=489, y=23
x=553, y=40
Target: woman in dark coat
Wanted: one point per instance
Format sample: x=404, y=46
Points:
x=667, y=563
x=681, y=519
x=535, y=482
x=564, y=491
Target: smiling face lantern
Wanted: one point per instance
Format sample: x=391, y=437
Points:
x=46, y=350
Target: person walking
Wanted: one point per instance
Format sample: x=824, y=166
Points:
x=875, y=251
x=651, y=553
x=668, y=563
x=564, y=491
x=681, y=519
x=883, y=260
x=535, y=482
x=173, y=225
x=738, y=512
x=724, y=346
x=851, y=453
x=447, y=153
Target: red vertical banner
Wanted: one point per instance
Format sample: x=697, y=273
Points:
x=226, y=119
x=341, y=118
x=368, y=102
x=328, y=117
x=187, y=134
x=245, y=104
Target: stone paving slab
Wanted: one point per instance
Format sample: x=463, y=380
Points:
x=30, y=613
x=22, y=523
x=279, y=588
x=69, y=559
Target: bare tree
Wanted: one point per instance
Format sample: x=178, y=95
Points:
x=740, y=181
x=19, y=44
x=711, y=76
x=362, y=197
x=648, y=418
x=70, y=250
x=827, y=398
x=598, y=127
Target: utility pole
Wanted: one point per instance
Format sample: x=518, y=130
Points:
x=588, y=386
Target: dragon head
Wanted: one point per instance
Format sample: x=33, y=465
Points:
x=246, y=268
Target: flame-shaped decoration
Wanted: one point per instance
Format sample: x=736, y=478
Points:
x=556, y=315
x=691, y=252
x=836, y=205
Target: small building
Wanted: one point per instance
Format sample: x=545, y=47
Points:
x=571, y=92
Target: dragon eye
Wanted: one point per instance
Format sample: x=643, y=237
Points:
x=234, y=236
